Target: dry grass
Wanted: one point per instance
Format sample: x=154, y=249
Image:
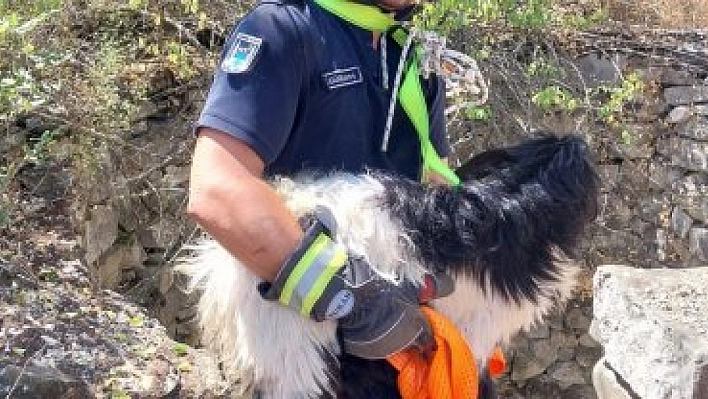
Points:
x=663, y=14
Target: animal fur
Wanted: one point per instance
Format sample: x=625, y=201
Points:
x=506, y=235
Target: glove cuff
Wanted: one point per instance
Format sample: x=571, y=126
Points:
x=307, y=275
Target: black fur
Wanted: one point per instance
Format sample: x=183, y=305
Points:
x=366, y=379
x=515, y=206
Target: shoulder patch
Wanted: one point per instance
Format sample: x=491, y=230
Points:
x=242, y=54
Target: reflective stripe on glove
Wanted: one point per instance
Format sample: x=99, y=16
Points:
x=376, y=317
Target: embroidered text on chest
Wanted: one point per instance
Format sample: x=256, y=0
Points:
x=342, y=77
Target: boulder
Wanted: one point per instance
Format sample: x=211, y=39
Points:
x=685, y=95
x=653, y=328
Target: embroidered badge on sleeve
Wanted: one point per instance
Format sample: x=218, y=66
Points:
x=242, y=54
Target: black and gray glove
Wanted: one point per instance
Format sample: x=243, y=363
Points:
x=376, y=317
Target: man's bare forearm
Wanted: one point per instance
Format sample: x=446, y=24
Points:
x=232, y=203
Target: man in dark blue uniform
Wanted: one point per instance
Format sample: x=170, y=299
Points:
x=300, y=87
x=311, y=92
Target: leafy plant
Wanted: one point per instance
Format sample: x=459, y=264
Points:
x=554, y=98
x=542, y=68
x=479, y=113
x=630, y=87
x=180, y=349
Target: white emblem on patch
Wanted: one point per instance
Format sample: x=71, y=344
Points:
x=341, y=305
x=242, y=54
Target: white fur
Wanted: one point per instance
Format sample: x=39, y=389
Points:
x=264, y=344
x=486, y=319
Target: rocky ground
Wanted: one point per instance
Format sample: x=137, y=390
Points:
x=63, y=337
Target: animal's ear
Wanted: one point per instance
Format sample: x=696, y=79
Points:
x=483, y=164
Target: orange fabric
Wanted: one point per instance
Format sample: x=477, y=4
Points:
x=451, y=373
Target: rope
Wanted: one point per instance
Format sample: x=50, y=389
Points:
x=396, y=85
x=461, y=73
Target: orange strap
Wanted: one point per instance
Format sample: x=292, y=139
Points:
x=451, y=373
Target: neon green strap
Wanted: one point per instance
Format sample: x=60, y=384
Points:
x=413, y=102
x=361, y=15
x=411, y=92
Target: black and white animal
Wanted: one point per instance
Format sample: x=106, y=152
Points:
x=506, y=235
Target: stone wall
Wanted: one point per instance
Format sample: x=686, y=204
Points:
x=654, y=214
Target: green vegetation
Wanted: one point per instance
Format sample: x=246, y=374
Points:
x=479, y=113
x=76, y=77
x=611, y=110
x=180, y=349
x=449, y=15
x=554, y=98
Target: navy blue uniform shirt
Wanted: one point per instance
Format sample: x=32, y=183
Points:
x=304, y=89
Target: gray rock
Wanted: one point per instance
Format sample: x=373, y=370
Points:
x=697, y=129
x=639, y=146
x=525, y=366
x=701, y=109
x=119, y=259
x=539, y=331
x=617, y=243
x=40, y=380
x=598, y=69
x=689, y=154
x=566, y=342
x=587, y=341
x=652, y=326
x=659, y=173
x=568, y=374
x=609, y=176
x=585, y=391
x=660, y=242
x=679, y=114
x=587, y=357
x=100, y=232
x=685, y=95
x=676, y=77
x=698, y=243
x=566, y=354
x=544, y=353
x=555, y=321
x=691, y=193
x=164, y=233
x=616, y=213
x=653, y=208
x=577, y=320
x=680, y=222
x=12, y=140
x=176, y=176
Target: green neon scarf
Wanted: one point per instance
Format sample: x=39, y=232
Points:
x=410, y=94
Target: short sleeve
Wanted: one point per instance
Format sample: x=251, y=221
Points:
x=257, y=84
x=438, y=131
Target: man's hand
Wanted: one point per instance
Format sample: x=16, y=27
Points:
x=376, y=317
